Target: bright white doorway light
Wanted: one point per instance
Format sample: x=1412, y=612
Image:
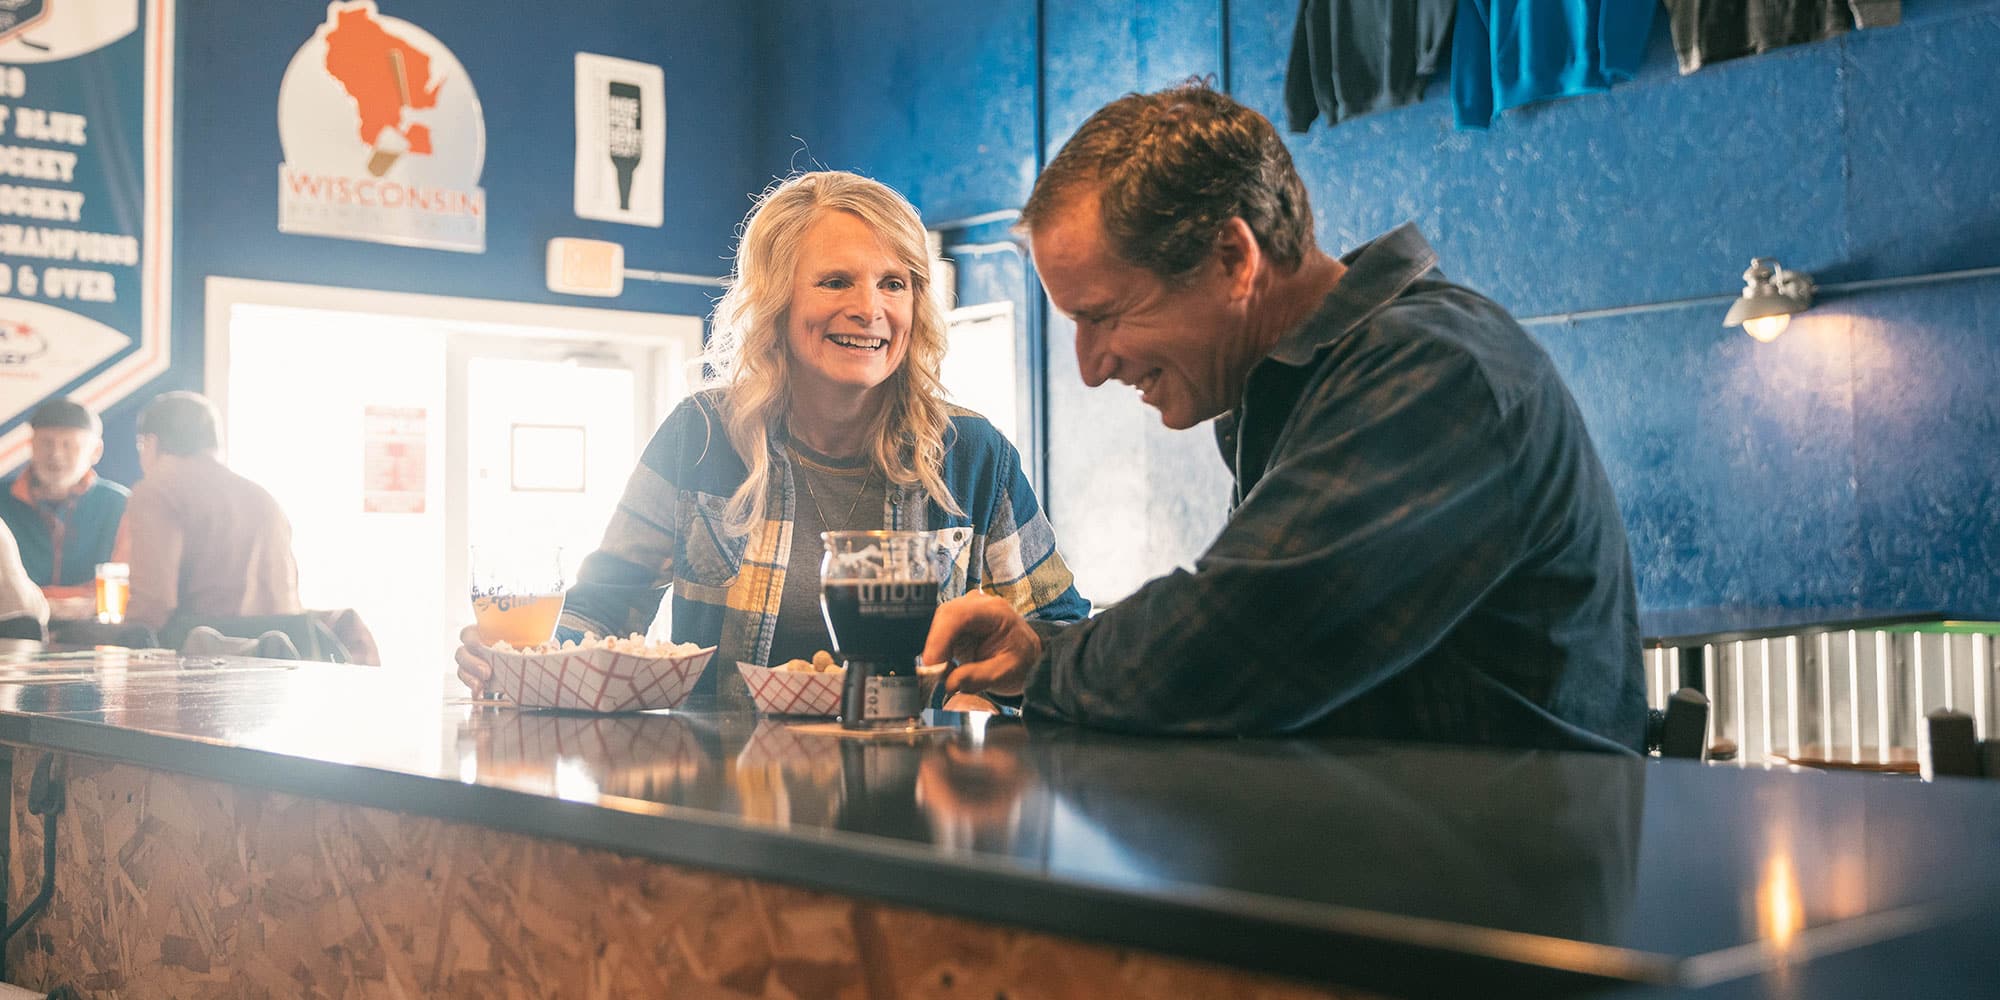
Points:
x=307, y=391
x=396, y=429
x=550, y=445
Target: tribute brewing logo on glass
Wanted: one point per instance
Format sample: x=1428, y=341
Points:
x=878, y=590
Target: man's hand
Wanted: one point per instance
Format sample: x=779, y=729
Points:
x=992, y=642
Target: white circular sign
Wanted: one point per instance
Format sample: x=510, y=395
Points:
x=372, y=95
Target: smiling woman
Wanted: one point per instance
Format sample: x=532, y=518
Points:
x=825, y=386
x=848, y=329
x=828, y=257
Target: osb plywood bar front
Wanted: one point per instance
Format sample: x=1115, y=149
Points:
x=175, y=886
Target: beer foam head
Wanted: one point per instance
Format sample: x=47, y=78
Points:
x=915, y=556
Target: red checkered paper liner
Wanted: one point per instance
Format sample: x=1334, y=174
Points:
x=793, y=692
x=796, y=692
x=597, y=680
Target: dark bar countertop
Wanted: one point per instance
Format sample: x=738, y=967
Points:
x=1409, y=869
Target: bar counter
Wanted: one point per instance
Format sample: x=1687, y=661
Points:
x=248, y=828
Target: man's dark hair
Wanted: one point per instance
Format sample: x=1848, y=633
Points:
x=183, y=423
x=63, y=411
x=1170, y=168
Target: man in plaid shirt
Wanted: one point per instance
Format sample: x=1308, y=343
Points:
x=1422, y=545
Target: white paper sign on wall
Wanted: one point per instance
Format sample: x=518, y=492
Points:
x=621, y=140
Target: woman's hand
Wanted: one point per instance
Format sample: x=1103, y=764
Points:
x=475, y=666
x=992, y=642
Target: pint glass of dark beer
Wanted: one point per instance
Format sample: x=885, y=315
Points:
x=878, y=590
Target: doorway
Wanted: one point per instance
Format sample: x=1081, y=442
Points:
x=396, y=430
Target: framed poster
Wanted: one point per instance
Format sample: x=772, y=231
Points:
x=394, y=464
x=547, y=458
x=86, y=182
x=621, y=140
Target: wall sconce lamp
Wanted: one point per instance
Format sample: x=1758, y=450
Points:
x=1771, y=295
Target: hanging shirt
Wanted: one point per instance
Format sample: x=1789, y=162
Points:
x=1712, y=31
x=1507, y=53
x=1350, y=57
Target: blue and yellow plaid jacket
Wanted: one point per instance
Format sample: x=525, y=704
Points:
x=667, y=535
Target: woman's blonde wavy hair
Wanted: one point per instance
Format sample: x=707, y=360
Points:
x=746, y=355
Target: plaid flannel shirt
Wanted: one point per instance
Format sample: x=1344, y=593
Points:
x=667, y=536
x=1423, y=545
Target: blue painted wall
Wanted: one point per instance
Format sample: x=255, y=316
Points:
x=232, y=54
x=936, y=99
x=1850, y=462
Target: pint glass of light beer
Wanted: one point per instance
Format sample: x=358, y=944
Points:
x=517, y=593
x=114, y=588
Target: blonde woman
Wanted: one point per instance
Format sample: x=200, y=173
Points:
x=823, y=412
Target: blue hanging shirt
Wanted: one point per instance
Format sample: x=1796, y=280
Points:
x=1507, y=53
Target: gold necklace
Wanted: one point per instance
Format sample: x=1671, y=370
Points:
x=806, y=478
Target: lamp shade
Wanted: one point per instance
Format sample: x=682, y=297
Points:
x=1759, y=306
x=1770, y=290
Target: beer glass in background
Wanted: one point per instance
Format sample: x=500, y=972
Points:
x=878, y=590
x=114, y=588
x=517, y=593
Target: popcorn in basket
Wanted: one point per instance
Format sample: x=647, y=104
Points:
x=599, y=674
x=811, y=687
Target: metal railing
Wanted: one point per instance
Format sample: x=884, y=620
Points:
x=1853, y=696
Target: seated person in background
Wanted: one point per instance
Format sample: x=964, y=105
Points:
x=24, y=612
x=64, y=517
x=206, y=542
x=1422, y=543
x=825, y=413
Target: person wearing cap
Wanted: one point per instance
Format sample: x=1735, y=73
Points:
x=206, y=542
x=65, y=517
